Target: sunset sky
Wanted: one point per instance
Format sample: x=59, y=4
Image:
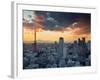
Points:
x=50, y=26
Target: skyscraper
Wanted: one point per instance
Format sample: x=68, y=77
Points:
x=83, y=39
x=60, y=46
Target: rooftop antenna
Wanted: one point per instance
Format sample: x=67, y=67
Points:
x=37, y=23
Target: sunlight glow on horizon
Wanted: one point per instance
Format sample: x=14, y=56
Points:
x=51, y=36
x=50, y=26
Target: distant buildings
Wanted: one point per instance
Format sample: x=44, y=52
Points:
x=57, y=54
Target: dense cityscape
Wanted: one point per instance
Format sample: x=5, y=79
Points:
x=57, y=54
x=55, y=39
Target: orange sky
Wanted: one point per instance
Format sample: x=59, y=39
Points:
x=51, y=36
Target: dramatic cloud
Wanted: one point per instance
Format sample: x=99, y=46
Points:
x=77, y=23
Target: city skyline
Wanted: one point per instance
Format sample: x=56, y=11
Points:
x=50, y=26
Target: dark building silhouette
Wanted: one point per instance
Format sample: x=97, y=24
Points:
x=83, y=39
x=56, y=46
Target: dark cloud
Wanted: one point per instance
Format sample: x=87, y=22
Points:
x=60, y=21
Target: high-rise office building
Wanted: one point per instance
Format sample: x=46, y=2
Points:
x=60, y=46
